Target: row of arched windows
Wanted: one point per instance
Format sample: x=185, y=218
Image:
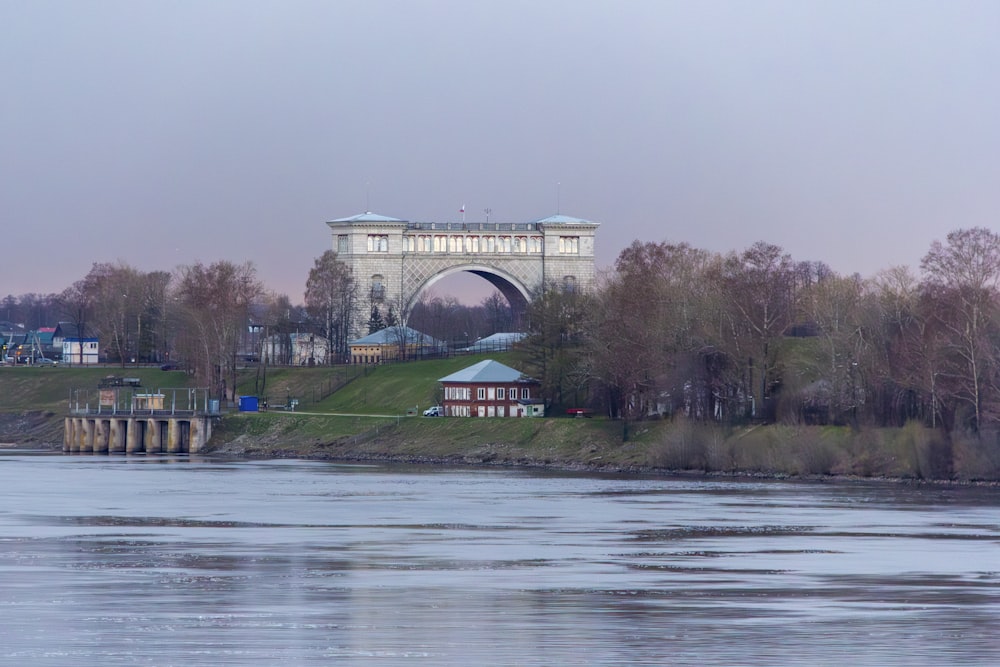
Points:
x=473, y=244
x=470, y=244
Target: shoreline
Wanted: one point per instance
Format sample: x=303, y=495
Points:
x=554, y=445
x=565, y=467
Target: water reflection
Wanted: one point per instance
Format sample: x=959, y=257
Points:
x=126, y=560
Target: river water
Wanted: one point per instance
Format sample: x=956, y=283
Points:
x=176, y=561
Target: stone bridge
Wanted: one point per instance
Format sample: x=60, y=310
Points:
x=395, y=260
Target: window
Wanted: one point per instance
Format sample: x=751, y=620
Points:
x=471, y=244
x=457, y=393
x=569, y=245
x=520, y=244
x=501, y=393
x=525, y=394
x=490, y=243
x=569, y=284
x=440, y=243
x=343, y=244
x=454, y=244
x=378, y=288
x=503, y=244
x=378, y=243
x=481, y=393
x=535, y=244
x=409, y=243
x=424, y=243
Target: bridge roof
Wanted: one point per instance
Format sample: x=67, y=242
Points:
x=564, y=220
x=368, y=216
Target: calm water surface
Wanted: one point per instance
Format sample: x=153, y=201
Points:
x=170, y=561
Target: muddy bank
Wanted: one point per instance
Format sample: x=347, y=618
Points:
x=38, y=428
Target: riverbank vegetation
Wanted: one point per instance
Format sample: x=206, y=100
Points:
x=744, y=360
x=367, y=419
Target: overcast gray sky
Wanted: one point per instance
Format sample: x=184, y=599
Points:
x=161, y=133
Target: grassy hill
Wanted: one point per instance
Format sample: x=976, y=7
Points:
x=391, y=389
x=342, y=412
x=49, y=389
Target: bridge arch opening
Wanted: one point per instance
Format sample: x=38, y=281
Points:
x=513, y=290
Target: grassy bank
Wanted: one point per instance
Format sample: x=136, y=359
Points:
x=556, y=442
x=364, y=418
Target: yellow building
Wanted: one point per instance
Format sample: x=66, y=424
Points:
x=393, y=344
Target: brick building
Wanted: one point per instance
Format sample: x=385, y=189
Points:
x=491, y=389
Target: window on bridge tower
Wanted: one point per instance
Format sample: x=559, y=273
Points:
x=378, y=288
x=569, y=245
x=378, y=243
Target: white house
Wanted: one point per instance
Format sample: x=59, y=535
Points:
x=297, y=349
x=80, y=351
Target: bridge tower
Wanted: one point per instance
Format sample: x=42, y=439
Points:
x=394, y=260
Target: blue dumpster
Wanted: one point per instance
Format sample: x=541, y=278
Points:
x=248, y=404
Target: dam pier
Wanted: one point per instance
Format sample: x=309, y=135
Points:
x=122, y=418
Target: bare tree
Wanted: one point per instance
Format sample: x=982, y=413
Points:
x=113, y=290
x=551, y=352
x=216, y=301
x=833, y=306
x=498, y=313
x=962, y=277
x=647, y=332
x=76, y=304
x=758, y=290
x=331, y=299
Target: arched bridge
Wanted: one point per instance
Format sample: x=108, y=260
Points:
x=395, y=260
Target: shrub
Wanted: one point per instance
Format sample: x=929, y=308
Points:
x=977, y=457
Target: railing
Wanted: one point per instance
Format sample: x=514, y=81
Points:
x=473, y=226
x=129, y=401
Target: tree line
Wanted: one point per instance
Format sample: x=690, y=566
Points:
x=741, y=337
x=754, y=336
x=212, y=318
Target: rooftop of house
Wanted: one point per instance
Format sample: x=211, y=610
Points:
x=487, y=370
x=497, y=341
x=391, y=336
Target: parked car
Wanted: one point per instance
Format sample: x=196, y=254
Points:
x=42, y=361
x=434, y=411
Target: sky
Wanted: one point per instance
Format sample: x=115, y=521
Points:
x=163, y=133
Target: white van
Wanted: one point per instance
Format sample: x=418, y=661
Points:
x=434, y=411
